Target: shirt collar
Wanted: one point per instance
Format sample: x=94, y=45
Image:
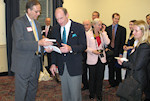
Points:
x=68, y=24
x=115, y=25
x=28, y=17
x=135, y=43
x=89, y=30
x=47, y=26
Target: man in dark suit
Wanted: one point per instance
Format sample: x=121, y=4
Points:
x=47, y=28
x=46, y=32
x=69, y=63
x=117, y=35
x=26, y=52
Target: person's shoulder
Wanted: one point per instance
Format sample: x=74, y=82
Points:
x=77, y=26
x=121, y=26
x=145, y=45
x=20, y=19
x=43, y=27
x=55, y=27
x=144, y=48
x=51, y=26
x=109, y=27
x=76, y=23
x=104, y=33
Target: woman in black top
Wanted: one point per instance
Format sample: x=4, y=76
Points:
x=129, y=46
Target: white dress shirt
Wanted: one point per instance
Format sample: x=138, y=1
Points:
x=67, y=27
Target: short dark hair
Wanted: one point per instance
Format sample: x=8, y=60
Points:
x=31, y=3
x=63, y=9
x=132, y=21
x=97, y=13
x=147, y=15
x=115, y=14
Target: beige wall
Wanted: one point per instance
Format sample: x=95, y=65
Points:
x=128, y=10
x=2, y=23
x=3, y=53
x=3, y=59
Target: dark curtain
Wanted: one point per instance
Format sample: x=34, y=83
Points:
x=56, y=3
x=12, y=11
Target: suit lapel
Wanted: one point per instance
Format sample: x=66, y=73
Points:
x=70, y=32
x=117, y=32
x=111, y=31
x=27, y=24
x=58, y=35
x=26, y=21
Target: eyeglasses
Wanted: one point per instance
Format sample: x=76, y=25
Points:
x=37, y=11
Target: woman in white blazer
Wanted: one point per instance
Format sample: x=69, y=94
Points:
x=97, y=39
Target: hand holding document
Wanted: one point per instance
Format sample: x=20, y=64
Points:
x=52, y=40
x=123, y=59
x=56, y=49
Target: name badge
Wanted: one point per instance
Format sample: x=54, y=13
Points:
x=29, y=29
x=92, y=37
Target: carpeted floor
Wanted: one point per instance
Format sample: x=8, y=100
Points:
x=49, y=91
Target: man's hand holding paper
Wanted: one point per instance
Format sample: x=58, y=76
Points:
x=65, y=48
x=51, y=47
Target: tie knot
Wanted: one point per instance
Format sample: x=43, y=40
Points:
x=64, y=29
x=32, y=21
x=113, y=27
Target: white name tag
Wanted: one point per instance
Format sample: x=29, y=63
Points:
x=29, y=29
x=92, y=37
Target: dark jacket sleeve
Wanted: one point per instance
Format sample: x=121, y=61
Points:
x=123, y=38
x=138, y=62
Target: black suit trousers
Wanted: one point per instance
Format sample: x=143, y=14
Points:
x=84, y=75
x=96, y=79
x=114, y=73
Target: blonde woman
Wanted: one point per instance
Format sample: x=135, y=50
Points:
x=139, y=60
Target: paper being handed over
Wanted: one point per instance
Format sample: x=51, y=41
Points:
x=56, y=49
x=123, y=59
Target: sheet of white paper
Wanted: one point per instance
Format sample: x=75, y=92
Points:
x=123, y=59
x=56, y=49
x=52, y=40
x=42, y=31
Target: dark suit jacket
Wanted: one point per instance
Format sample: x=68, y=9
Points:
x=119, y=39
x=49, y=31
x=77, y=41
x=24, y=45
x=139, y=61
